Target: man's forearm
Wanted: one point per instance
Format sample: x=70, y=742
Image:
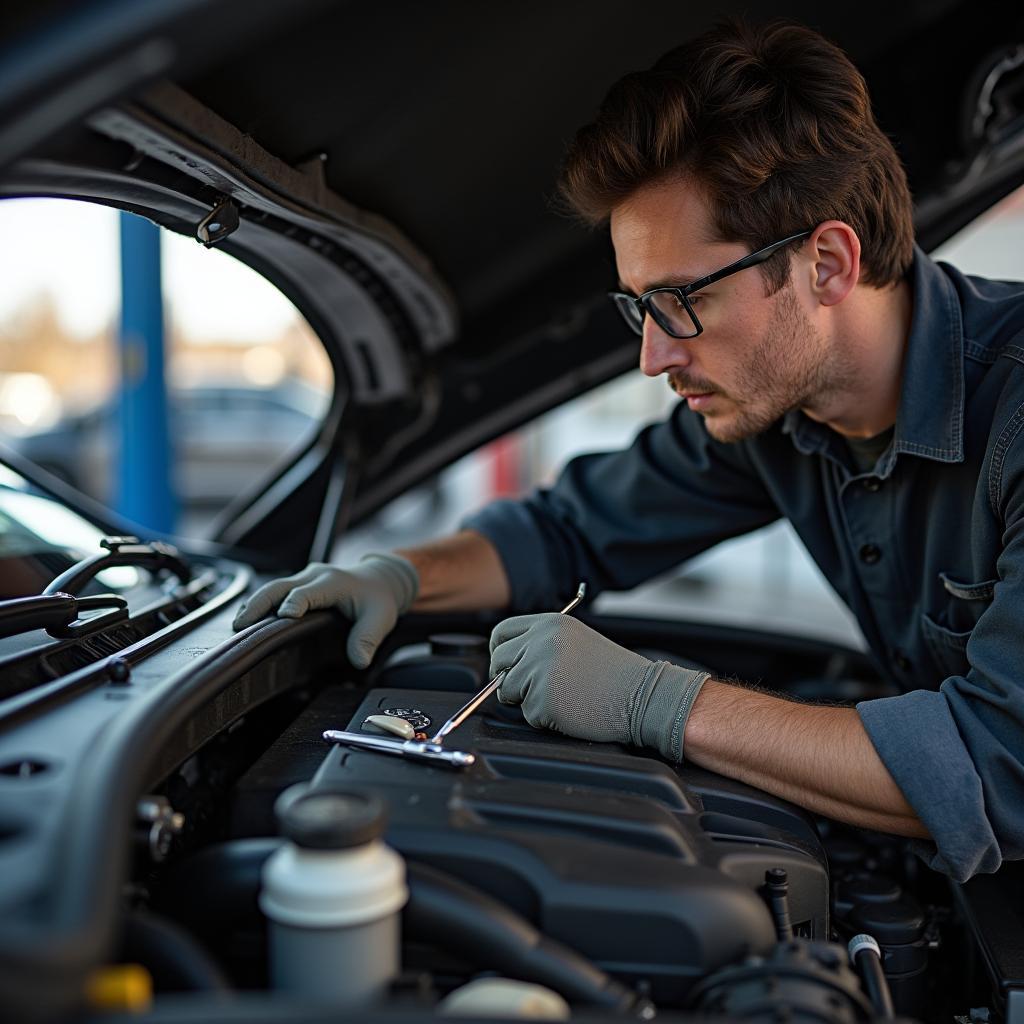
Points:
x=818, y=757
x=462, y=572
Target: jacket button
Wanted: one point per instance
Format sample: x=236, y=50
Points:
x=903, y=663
x=870, y=554
x=872, y=483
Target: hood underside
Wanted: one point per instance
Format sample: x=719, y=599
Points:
x=393, y=167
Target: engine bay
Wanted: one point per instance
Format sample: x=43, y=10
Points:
x=608, y=878
x=179, y=819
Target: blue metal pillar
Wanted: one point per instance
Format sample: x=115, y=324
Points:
x=144, y=491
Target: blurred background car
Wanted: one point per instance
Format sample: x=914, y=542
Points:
x=224, y=437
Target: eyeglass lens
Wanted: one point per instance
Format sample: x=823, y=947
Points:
x=669, y=312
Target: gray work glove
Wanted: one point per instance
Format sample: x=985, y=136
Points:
x=371, y=596
x=571, y=679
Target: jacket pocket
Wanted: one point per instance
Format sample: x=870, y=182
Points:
x=968, y=591
x=947, y=647
x=962, y=604
x=946, y=633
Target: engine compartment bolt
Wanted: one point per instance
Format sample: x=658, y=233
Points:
x=160, y=823
x=119, y=671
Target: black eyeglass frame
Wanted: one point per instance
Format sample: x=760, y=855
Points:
x=644, y=305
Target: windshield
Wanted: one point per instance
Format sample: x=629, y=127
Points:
x=40, y=538
x=245, y=380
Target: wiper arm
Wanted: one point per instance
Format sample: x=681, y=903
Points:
x=59, y=606
x=56, y=613
x=121, y=552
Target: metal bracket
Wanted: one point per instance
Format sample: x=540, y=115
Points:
x=220, y=222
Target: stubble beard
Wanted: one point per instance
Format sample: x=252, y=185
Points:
x=789, y=368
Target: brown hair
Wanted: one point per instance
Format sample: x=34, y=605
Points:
x=774, y=124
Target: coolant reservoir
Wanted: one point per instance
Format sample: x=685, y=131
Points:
x=333, y=894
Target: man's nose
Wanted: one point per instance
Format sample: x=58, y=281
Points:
x=659, y=351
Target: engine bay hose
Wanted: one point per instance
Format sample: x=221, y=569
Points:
x=175, y=960
x=446, y=912
x=866, y=957
x=217, y=888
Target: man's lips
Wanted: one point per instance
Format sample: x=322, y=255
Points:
x=699, y=400
x=695, y=398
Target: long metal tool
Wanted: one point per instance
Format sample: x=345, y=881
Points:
x=416, y=750
x=431, y=751
x=467, y=709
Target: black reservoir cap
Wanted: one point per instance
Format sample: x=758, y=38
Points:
x=892, y=924
x=329, y=819
x=861, y=887
x=457, y=645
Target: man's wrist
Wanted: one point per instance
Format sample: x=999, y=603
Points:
x=663, y=711
x=462, y=572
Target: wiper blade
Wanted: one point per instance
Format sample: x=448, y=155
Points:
x=121, y=552
x=24, y=614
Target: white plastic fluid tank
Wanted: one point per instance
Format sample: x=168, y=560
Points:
x=333, y=895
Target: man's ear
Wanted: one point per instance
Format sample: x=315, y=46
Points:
x=835, y=254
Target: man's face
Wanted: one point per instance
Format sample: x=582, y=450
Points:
x=758, y=357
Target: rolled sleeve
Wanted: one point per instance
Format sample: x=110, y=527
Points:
x=617, y=519
x=917, y=739
x=518, y=538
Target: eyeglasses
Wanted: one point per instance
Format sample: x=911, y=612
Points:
x=671, y=307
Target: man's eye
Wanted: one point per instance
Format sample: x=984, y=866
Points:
x=694, y=299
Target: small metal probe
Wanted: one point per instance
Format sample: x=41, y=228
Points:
x=467, y=709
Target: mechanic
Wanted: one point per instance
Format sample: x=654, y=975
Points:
x=836, y=376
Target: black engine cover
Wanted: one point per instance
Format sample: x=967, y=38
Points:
x=650, y=871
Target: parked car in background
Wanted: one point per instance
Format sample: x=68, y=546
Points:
x=178, y=838
x=226, y=437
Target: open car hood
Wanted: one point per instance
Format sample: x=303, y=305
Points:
x=392, y=172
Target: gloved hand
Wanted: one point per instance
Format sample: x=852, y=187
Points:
x=571, y=679
x=371, y=596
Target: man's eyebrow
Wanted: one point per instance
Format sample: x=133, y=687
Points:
x=680, y=281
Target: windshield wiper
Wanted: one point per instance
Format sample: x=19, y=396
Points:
x=56, y=613
x=58, y=608
x=121, y=552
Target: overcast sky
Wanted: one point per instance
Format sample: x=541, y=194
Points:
x=71, y=250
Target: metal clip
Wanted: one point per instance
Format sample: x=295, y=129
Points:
x=414, y=750
x=220, y=222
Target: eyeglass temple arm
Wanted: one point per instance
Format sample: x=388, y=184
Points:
x=745, y=261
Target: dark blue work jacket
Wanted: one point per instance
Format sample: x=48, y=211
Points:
x=927, y=549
